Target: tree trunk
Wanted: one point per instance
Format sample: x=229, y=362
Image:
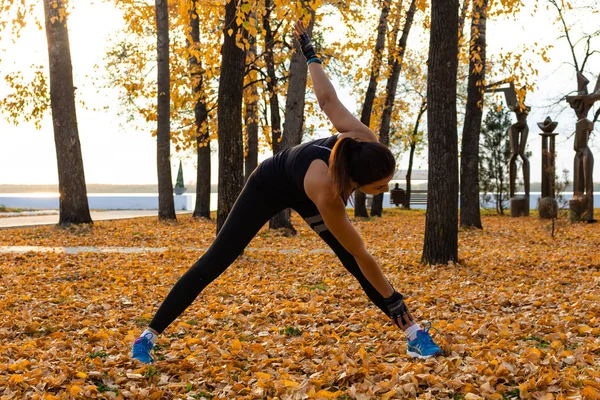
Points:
x=470, y=215
x=392, y=85
x=166, y=204
x=229, y=121
x=203, y=174
x=411, y=157
x=360, y=209
x=294, y=118
x=73, y=201
x=251, y=161
x=203, y=171
x=251, y=116
x=441, y=225
x=272, y=79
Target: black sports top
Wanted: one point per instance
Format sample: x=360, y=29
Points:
x=294, y=161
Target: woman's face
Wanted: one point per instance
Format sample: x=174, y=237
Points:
x=377, y=187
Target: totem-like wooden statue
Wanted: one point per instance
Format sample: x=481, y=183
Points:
x=517, y=133
x=547, y=205
x=582, y=205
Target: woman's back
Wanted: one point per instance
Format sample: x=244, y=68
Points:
x=290, y=165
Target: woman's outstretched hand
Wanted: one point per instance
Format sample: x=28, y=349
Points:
x=305, y=43
x=299, y=30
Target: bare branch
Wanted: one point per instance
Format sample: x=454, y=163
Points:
x=587, y=55
x=566, y=30
x=247, y=85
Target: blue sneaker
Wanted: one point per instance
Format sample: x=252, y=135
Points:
x=423, y=346
x=142, y=350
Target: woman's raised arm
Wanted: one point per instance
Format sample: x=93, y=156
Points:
x=342, y=119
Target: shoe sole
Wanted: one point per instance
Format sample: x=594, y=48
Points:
x=417, y=355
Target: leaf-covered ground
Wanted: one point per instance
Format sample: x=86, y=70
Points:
x=519, y=315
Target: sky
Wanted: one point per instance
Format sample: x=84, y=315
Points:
x=116, y=153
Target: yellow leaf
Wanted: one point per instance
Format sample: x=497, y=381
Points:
x=81, y=375
x=263, y=375
x=236, y=345
x=533, y=355
x=589, y=393
x=74, y=390
x=291, y=384
x=230, y=32
x=584, y=329
x=387, y=395
x=332, y=395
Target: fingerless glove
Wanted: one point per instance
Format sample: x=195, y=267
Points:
x=397, y=308
x=308, y=50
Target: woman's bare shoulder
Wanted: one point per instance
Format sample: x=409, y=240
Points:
x=317, y=182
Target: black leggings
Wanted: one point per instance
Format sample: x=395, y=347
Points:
x=260, y=200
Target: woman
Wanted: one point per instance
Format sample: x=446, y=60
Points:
x=315, y=179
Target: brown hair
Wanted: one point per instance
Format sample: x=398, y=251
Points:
x=360, y=162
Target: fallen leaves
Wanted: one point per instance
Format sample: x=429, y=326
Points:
x=519, y=315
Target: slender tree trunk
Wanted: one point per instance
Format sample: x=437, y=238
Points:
x=73, y=202
x=294, y=118
x=360, y=209
x=203, y=174
x=470, y=214
x=272, y=79
x=392, y=85
x=231, y=88
x=441, y=225
x=251, y=161
x=166, y=204
x=203, y=171
x=411, y=157
x=251, y=116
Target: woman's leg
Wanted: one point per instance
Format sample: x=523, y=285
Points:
x=252, y=209
x=313, y=218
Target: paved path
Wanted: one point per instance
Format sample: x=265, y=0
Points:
x=23, y=221
x=38, y=219
x=131, y=250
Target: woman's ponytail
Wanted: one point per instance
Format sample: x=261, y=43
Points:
x=359, y=163
x=345, y=153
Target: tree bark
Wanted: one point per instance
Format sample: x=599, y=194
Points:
x=294, y=117
x=360, y=209
x=203, y=174
x=166, y=204
x=392, y=85
x=272, y=79
x=441, y=225
x=73, y=201
x=229, y=120
x=203, y=171
x=251, y=117
x=470, y=214
x=411, y=157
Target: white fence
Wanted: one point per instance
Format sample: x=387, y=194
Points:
x=149, y=201
x=109, y=201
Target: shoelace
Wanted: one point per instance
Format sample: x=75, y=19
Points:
x=426, y=328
